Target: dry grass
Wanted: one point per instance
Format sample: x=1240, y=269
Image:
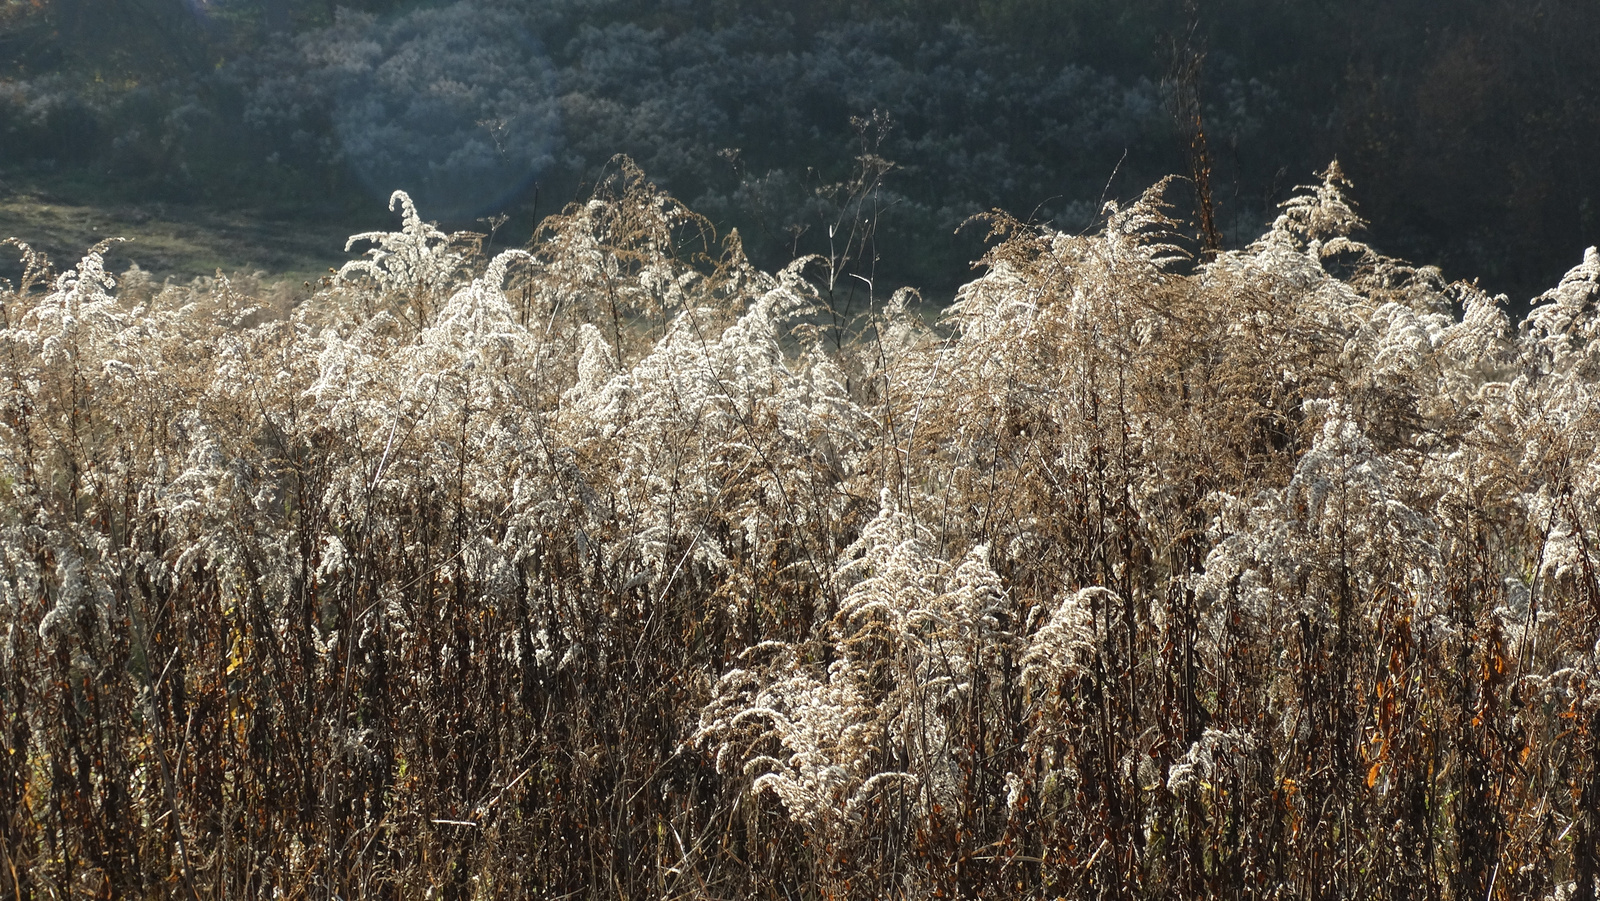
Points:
x=170, y=240
x=603, y=569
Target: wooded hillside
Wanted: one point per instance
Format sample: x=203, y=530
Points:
x=1469, y=125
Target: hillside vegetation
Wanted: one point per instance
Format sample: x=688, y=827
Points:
x=619, y=567
x=1470, y=124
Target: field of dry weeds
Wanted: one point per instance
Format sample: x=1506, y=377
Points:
x=616, y=567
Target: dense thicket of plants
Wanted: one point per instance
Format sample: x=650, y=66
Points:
x=1469, y=124
x=618, y=566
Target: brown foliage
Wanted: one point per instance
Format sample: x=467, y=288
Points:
x=594, y=569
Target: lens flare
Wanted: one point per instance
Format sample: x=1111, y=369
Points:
x=455, y=105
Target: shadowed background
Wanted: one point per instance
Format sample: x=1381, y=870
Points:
x=1467, y=128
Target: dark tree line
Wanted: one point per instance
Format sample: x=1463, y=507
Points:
x=1467, y=126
